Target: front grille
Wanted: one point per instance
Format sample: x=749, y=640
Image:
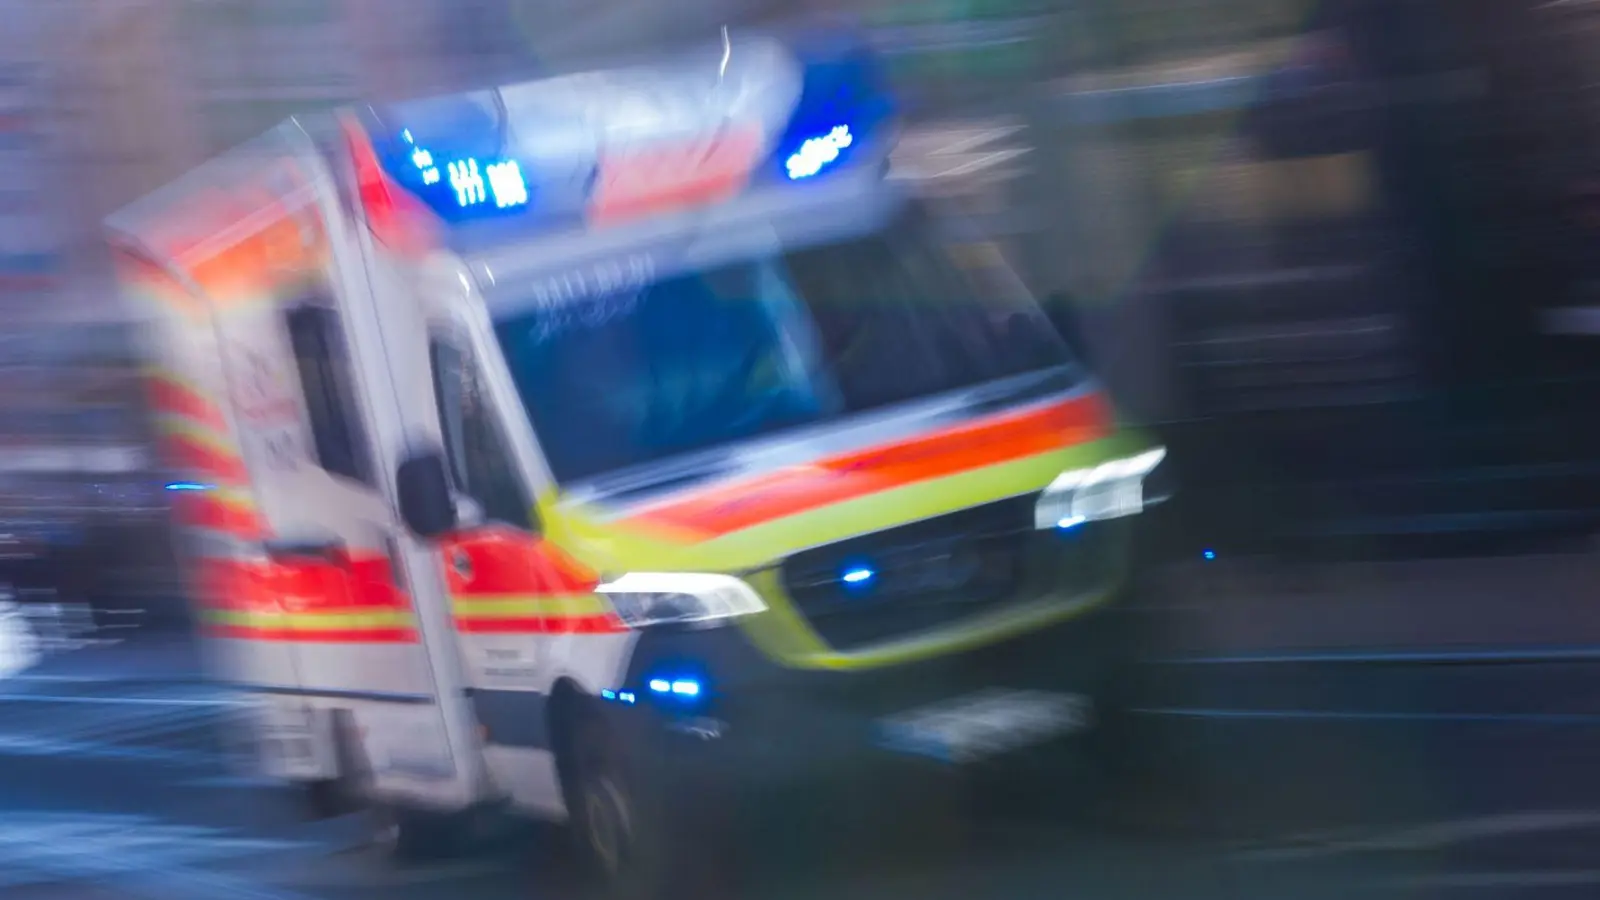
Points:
x=937, y=571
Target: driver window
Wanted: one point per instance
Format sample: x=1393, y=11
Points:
x=480, y=459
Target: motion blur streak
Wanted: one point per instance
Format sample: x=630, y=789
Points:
x=347, y=346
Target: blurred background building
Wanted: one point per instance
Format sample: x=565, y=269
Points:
x=1284, y=220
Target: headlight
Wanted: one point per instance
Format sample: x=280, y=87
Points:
x=642, y=599
x=1110, y=490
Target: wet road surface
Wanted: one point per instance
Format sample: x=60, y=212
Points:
x=1304, y=775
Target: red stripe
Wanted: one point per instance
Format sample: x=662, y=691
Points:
x=170, y=397
x=1003, y=438
x=158, y=283
x=319, y=636
x=372, y=584
x=394, y=216
x=502, y=560
x=567, y=574
x=301, y=586
x=191, y=456
x=197, y=510
x=600, y=623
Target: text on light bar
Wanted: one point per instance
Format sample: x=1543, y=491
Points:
x=474, y=183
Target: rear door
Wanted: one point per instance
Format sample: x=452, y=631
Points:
x=279, y=403
x=358, y=342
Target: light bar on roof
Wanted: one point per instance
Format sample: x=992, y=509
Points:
x=599, y=146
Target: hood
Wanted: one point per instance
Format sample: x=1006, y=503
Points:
x=750, y=520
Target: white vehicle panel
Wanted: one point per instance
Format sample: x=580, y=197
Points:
x=529, y=778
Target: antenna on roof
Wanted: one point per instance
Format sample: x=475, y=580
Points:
x=727, y=53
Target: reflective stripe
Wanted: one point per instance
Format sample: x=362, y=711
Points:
x=202, y=456
x=194, y=440
x=316, y=636
x=503, y=561
x=601, y=624
x=141, y=280
x=171, y=397
x=726, y=508
x=506, y=581
x=270, y=234
x=477, y=607
x=329, y=619
x=225, y=511
x=555, y=613
x=348, y=599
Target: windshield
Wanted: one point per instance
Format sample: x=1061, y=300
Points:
x=692, y=362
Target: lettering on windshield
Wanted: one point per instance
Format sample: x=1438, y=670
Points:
x=590, y=296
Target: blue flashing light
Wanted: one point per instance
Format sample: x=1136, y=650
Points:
x=619, y=696
x=858, y=575
x=507, y=184
x=1070, y=522
x=609, y=694
x=472, y=182
x=679, y=687
x=844, y=101
x=1208, y=554
x=818, y=153
x=187, y=486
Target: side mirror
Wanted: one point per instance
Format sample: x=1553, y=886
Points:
x=427, y=505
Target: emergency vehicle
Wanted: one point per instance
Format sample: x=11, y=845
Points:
x=566, y=444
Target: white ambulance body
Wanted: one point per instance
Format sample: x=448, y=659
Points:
x=411, y=549
x=260, y=291
x=297, y=300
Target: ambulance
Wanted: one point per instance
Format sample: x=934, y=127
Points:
x=581, y=446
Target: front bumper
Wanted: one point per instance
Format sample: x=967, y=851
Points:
x=752, y=727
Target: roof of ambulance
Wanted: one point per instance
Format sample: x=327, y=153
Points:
x=521, y=170
x=741, y=129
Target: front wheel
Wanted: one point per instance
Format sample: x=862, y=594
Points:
x=1087, y=769
x=616, y=822
x=1140, y=781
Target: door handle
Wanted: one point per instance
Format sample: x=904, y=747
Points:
x=461, y=563
x=329, y=549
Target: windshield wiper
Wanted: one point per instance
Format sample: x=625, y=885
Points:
x=1027, y=387
x=663, y=476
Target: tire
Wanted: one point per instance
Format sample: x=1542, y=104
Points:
x=411, y=836
x=329, y=798
x=1065, y=778
x=405, y=834
x=616, y=822
x=1139, y=783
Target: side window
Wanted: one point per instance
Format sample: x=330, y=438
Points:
x=326, y=379
x=480, y=459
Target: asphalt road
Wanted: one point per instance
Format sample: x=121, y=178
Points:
x=1298, y=759
x=130, y=830
x=1299, y=774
